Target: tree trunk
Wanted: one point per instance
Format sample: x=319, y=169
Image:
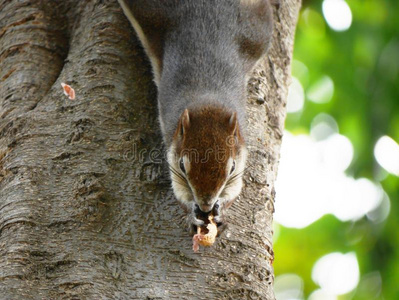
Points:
x=86, y=209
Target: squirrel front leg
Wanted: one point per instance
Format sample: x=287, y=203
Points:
x=195, y=216
x=193, y=219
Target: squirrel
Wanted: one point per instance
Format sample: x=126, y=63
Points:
x=202, y=53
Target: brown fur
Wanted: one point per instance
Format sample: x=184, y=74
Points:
x=209, y=138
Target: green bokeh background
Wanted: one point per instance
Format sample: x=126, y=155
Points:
x=363, y=63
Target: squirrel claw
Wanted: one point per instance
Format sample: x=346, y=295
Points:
x=197, y=222
x=218, y=219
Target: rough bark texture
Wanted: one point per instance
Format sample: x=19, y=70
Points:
x=86, y=211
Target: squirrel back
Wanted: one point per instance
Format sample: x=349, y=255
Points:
x=200, y=50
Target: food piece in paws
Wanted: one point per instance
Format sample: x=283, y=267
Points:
x=206, y=235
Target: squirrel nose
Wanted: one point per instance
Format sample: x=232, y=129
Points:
x=205, y=208
x=206, y=204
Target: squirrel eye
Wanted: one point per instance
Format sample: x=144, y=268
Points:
x=181, y=165
x=233, y=167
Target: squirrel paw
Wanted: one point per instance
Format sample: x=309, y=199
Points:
x=193, y=221
x=219, y=218
x=217, y=213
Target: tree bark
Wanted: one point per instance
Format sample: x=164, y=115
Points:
x=86, y=209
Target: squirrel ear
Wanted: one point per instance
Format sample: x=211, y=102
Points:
x=233, y=123
x=184, y=122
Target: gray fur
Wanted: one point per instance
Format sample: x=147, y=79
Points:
x=197, y=48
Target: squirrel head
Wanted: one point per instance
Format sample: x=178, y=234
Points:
x=207, y=157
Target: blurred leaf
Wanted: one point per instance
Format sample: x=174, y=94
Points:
x=363, y=64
